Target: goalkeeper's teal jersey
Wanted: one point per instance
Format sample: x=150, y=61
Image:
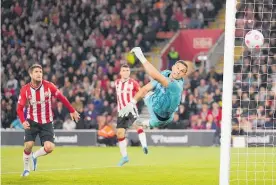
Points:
x=165, y=101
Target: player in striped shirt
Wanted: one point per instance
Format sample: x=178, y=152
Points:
x=37, y=95
x=126, y=89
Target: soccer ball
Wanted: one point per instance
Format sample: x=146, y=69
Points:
x=254, y=39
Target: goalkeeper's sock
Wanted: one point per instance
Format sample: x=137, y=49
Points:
x=40, y=152
x=26, y=160
x=142, y=137
x=123, y=146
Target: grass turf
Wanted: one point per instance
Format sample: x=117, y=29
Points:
x=162, y=166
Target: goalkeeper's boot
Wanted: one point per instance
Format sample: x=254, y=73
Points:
x=25, y=173
x=34, y=162
x=145, y=150
x=123, y=161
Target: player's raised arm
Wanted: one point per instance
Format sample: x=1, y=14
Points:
x=142, y=92
x=73, y=113
x=149, y=68
x=131, y=106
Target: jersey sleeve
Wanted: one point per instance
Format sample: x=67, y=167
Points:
x=136, y=86
x=165, y=73
x=154, y=83
x=22, y=99
x=116, y=85
x=54, y=90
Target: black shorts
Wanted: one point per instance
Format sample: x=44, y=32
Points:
x=125, y=122
x=45, y=132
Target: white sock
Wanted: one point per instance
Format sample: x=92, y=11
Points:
x=26, y=160
x=40, y=152
x=142, y=137
x=123, y=147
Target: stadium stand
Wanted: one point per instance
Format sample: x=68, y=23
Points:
x=255, y=81
x=81, y=45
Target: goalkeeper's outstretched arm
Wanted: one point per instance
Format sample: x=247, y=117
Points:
x=149, y=68
x=142, y=92
x=131, y=106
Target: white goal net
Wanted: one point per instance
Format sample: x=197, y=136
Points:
x=253, y=153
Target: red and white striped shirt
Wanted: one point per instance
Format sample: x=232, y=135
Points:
x=39, y=102
x=125, y=90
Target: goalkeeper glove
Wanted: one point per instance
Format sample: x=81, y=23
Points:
x=130, y=108
x=139, y=54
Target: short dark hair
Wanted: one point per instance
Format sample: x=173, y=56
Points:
x=182, y=62
x=125, y=66
x=34, y=66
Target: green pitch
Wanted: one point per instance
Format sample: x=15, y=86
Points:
x=163, y=166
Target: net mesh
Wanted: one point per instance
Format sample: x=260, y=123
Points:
x=253, y=101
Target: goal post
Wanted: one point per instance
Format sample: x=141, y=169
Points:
x=226, y=124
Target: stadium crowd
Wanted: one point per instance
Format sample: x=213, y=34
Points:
x=81, y=45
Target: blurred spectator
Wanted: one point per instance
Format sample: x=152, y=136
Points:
x=196, y=21
x=184, y=116
x=213, y=85
x=195, y=81
x=106, y=132
x=173, y=56
x=58, y=124
x=213, y=74
x=16, y=124
x=202, y=88
x=203, y=114
x=12, y=83
x=245, y=124
x=69, y=124
x=7, y=113
x=199, y=125
x=60, y=112
x=210, y=123
x=90, y=116
x=176, y=123
x=193, y=121
x=217, y=134
x=78, y=104
x=216, y=112
x=106, y=109
x=191, y=104
x=217, y=96
x=260, y=117
x=236, y=130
